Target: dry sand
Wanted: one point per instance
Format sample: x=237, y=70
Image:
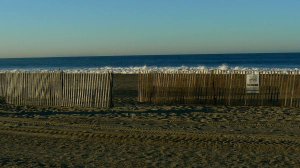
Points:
x=158, y=136
x=142, y=135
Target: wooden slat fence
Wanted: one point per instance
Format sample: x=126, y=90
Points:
x=57, y=89
x=220, y=87
x=87, y=90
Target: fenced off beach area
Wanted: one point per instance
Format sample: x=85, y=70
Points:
x=206, y=118
x=205, y=87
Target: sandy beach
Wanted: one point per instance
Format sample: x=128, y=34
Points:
x=158, y=136
x=179, y=84
x=133, y=134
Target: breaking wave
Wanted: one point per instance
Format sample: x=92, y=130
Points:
x=138, y=69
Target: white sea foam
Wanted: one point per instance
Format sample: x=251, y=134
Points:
x=135, y=70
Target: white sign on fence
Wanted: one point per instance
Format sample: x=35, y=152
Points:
x=252, y=83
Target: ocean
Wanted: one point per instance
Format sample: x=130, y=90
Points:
x=256, y=61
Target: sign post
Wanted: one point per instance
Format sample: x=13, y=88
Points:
x=252, y=83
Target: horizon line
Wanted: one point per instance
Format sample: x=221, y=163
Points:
x=136, y=55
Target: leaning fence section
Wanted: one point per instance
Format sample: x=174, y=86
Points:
x=220, y=87
x=57, y=89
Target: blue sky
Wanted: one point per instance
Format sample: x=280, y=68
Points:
x=37, y=28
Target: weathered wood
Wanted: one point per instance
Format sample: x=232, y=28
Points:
x=57, y=89
x=220, y=87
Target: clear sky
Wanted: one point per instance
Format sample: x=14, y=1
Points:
x=32, y=28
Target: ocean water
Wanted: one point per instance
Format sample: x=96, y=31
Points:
x=227, y=61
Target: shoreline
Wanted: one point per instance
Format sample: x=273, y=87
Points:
x=224, y=68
